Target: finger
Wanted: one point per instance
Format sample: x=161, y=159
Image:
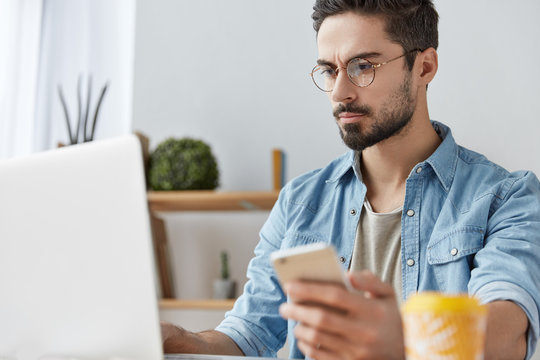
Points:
x=334, y=299
x=321, y=339
x=352, y=328
x=330, y=295
x=316, y=352
x=316, y=317
x=369, y=283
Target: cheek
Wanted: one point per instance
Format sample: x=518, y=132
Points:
x=374, y=100
x=382, y=94
x=333, y=104
x=378, y=91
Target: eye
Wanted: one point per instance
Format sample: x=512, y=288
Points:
x=327, y=71
x=357, y=66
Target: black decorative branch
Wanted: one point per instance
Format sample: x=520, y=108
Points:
x=78, y=109
x=82, y=118
x=89, y=97
x=64, y=106
x=103, y=91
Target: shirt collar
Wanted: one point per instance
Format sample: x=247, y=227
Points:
x=443, y=160
x=346, y=164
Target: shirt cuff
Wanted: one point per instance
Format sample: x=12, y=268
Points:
x=501, y=290
x=236, y=329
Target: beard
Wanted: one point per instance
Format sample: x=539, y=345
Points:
x=393, y=118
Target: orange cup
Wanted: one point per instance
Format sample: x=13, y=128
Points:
x=438, y=326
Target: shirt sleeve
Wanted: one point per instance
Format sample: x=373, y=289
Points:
x=508, y=267
x=254, y=323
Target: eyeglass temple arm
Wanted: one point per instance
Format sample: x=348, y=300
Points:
x=376, y=66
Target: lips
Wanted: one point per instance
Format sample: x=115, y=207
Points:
x=350, y=118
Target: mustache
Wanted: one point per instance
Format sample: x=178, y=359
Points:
x=352, y=108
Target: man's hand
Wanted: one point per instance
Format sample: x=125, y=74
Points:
x=334, y=323
x=180, y=341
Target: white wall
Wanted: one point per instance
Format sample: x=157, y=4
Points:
x=488, y=84
x=235, y=74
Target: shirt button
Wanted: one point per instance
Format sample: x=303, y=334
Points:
x=419, y=170
x=353, y=212
x=410, y=212
x=454, y=251
x=410, y=262
x=342, y=259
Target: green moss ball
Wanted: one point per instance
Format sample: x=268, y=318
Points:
x=183, y=164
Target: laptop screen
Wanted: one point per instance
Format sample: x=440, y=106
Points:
x=76, y=263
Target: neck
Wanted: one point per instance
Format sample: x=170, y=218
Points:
x=386, y=165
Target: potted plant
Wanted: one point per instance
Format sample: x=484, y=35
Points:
x=224, y=287
x=183, y=164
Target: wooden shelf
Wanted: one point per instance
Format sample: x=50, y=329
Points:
x=211, y=200
x=205, y=304
x=165, y=201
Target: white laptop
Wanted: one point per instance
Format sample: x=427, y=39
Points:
x=77, y=277
x=76, y=265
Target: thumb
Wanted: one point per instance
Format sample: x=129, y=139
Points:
x=371, y=285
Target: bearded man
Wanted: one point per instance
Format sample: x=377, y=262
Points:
x=407, y=209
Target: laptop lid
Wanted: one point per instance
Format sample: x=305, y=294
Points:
x=76, y=263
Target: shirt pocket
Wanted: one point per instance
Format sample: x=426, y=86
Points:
x=455, y=245
x=451, y=257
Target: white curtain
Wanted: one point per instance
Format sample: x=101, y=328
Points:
x=85, y=38
x=20, y=26
x=47, y=43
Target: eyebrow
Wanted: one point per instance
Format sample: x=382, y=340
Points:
x=364, y=55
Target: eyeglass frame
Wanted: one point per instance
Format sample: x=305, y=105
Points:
x=374, y=66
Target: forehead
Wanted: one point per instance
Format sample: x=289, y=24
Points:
x=346, y=35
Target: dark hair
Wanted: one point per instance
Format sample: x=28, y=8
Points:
x=410, y=23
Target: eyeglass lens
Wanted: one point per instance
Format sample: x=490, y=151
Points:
x=360, y=71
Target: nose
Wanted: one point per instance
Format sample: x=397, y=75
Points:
x=344, y=90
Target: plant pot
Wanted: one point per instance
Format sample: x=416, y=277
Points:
x=224, y=289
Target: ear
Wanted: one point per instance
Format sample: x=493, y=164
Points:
x=426, y=65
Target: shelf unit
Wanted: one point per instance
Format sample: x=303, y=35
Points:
x=169, y=201
x=203, y=304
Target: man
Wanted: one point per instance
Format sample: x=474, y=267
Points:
x=408, y=204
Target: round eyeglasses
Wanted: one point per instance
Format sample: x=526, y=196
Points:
x=361, y=72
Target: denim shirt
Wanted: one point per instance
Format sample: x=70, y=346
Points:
x=467, y=225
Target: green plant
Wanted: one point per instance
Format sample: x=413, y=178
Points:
x=224, y=265
x=183, y=164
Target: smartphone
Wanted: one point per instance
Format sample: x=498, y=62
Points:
x=313, y=262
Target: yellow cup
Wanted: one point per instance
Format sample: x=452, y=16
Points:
x=438, y=326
